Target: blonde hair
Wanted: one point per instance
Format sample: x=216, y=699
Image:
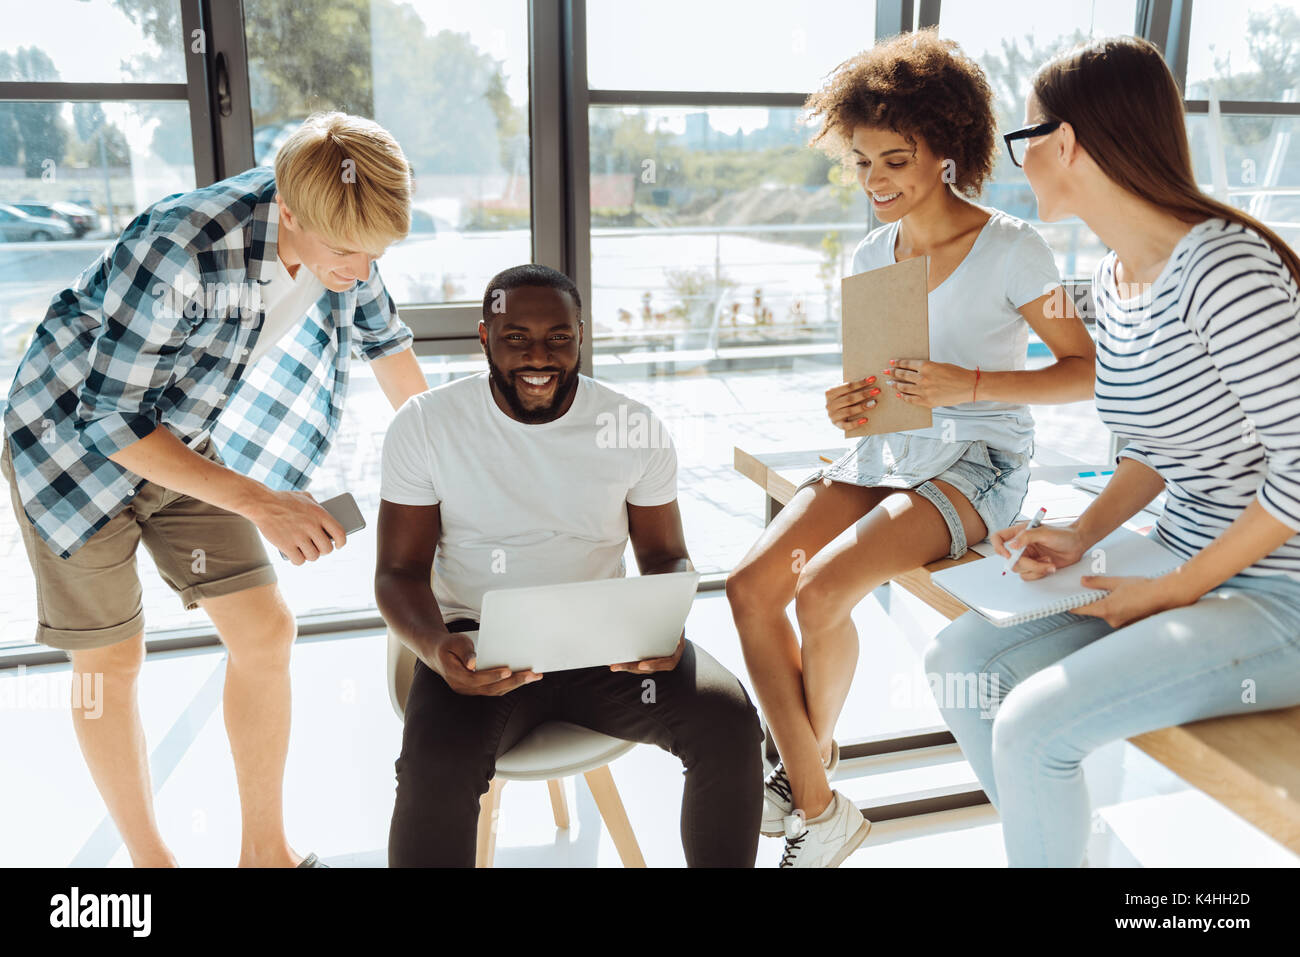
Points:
x=346, y=179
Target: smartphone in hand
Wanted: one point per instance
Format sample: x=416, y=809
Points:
x=346, y=512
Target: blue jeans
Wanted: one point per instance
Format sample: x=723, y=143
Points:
x=1051, y=691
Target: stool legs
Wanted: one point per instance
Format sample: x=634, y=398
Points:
x=610, y=805
x=489, y=806
x=601, y=783
x=559, y=804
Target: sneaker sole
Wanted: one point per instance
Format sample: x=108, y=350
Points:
x=852, y=845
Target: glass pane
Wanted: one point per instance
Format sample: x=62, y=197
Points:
x=450, y=82
x=92, y=41
x=1010, y=60
x=1244, y=51
x=72, y=175
x=1258, y=160
x=718, y=241
x=761, y=46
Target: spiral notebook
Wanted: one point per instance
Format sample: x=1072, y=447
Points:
x=1008, y=600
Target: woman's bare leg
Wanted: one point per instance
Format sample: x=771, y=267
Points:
x=760, y=588
x=901, y=533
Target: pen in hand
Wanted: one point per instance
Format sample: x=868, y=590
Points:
x=1017, y=552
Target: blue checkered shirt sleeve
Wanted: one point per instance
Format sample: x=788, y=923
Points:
x=134, y=355
x=380, y=330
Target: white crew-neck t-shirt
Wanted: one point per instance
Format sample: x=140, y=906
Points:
x=525, y=504
x=286, y=300
x=974, y=322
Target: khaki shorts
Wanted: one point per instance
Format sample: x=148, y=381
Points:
x=93, y=597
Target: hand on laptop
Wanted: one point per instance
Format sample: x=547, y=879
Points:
x=654, y=664
x=453, y=658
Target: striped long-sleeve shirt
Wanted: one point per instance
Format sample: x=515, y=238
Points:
x=1200, y=371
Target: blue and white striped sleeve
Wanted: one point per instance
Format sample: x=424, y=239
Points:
x=1245, y=309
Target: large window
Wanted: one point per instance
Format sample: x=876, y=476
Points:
x=1243, y=77
x=1244, y=51
x=74, y=171
x=450, y=81
x=669, y=174
x=718, y=239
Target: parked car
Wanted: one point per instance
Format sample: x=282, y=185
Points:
x=81, y=219
x=19, y=227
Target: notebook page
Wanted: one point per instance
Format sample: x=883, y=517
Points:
x=1007, y=599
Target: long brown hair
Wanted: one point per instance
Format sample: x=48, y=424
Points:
x=1127, y=112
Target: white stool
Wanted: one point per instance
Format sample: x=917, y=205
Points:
x=553, y=751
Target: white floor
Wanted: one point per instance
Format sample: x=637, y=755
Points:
x=339, y=784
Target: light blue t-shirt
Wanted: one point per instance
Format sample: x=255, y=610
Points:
x=973, y=321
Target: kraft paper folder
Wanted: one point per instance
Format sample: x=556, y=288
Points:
x=885, y=315
x=1008, y=600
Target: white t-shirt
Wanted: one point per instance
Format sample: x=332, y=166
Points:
x=973, y=320
x=286, y=300
x=525, y=504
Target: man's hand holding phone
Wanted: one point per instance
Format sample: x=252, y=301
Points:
x=295, y=523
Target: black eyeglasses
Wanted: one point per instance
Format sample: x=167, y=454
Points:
x=1015, y=140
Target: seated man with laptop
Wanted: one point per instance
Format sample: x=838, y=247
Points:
x=528, y=475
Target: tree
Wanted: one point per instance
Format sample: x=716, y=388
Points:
x=435, y=94
x=303, y=56
x=1009, y=72
x=35, y=127
x=93, y=127
x=1273, y=44
x=442, y=98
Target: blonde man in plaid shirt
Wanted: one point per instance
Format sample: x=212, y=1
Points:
x=143, y=410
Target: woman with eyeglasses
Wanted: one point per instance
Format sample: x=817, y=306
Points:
x=915, y=116
x=1198, y=367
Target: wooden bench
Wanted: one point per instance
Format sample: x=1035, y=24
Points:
x=1248, y=763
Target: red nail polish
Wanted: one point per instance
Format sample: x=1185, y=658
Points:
x=871, y=380
x=874, y=392
x=862, y=421
x=891, y=361
x=899, y=394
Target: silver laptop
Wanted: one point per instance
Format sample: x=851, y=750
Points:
x=583, y=624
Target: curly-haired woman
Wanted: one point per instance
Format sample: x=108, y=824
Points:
x=915, y=115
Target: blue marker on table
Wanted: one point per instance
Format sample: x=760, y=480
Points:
x=1017, y=552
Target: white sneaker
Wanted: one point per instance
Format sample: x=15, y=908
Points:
x=826, y=840
x=778, y=799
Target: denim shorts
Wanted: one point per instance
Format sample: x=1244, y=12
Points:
x=995, y=482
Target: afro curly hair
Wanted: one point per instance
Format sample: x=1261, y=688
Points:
x=921, y=87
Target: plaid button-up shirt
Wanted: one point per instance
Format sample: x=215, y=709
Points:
x=159, y=332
